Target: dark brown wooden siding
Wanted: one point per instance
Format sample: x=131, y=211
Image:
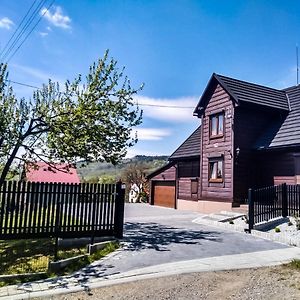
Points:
x=249, y=124
x=185, y=189
x=169, y=174
x=220, y=101
x=275, y=168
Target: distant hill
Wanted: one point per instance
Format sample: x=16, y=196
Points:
x=95, y=170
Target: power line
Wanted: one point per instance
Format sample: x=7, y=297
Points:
x=24, y=28
x=151, y=105
x=30, y=31
x=23, y=84
x=15, y=32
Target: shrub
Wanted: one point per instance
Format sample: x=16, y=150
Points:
x=277, y=229
x=297, y=220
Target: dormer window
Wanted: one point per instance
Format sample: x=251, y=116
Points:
x=216, y=125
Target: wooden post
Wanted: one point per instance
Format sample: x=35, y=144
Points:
x=284, y=200
x=250, y=209
x=119, y=209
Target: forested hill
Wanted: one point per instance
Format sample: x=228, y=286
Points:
x=105, y=172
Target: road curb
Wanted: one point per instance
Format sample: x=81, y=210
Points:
x=218, y=263
x=282, y=238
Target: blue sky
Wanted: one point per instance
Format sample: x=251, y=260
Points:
x=171, y=46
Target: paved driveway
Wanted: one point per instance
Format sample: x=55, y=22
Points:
x=155, y=235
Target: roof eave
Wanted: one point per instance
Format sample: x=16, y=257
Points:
x=213, y=79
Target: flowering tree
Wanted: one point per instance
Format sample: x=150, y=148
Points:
x=89, y=119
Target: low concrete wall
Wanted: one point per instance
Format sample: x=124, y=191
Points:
x=97, y=246
x=204, y=206
x=54, y=266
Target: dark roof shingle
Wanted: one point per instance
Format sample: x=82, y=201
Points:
x=287, y=132
x=243, y=91
x=190, y=147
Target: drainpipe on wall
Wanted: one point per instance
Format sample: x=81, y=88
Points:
x=201, y=158
x=176, y=185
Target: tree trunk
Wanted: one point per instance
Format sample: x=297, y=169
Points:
x=8, y=163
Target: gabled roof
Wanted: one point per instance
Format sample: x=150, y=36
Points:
x=190, y=147
x=42, y=172
x=242, y=91
x=285, y=132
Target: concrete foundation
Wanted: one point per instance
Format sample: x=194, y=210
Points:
x=208, y=206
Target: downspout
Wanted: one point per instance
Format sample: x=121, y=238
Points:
x=176, y=186
x=201, y=157
x=232, y=153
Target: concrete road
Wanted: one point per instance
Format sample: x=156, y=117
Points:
x=155, y=235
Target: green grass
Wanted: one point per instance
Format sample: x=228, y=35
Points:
x=294, y=264
x=81, y=263
x=32, y=256
x=35, y=222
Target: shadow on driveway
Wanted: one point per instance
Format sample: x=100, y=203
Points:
x=140, y=236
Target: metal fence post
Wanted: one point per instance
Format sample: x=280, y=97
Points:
x=57, y=218
x=250, y=209
x=119, y=209
x=284, y=200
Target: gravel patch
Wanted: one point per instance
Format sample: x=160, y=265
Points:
x=276, y=283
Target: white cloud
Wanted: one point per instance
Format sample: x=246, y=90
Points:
x=131, y=152
x=57, y=18
x=6, y=23
x=172, y=110
x=287, y=79
x=32, y=72
x=153, y=134
x=43, y=34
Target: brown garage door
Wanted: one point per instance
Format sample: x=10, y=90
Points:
x=164, y=193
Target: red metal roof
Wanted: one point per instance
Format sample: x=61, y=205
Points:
x=44, y=173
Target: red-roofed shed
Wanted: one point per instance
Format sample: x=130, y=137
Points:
x=45, y=173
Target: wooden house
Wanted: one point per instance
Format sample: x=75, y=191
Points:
x=249, y=137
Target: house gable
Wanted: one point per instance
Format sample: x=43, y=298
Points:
x=217, y=148
x=244, y=92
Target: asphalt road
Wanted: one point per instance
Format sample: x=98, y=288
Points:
x=155, y=235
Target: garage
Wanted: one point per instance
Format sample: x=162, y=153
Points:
x=164, y=193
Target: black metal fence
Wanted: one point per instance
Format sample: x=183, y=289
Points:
x=36, y=210
x=271, y=202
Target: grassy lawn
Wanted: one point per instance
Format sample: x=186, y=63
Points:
x=44, y=216
x=33, y=256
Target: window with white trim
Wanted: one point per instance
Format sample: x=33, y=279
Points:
x=216, y=170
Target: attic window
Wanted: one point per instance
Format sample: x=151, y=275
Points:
x=216, y=124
